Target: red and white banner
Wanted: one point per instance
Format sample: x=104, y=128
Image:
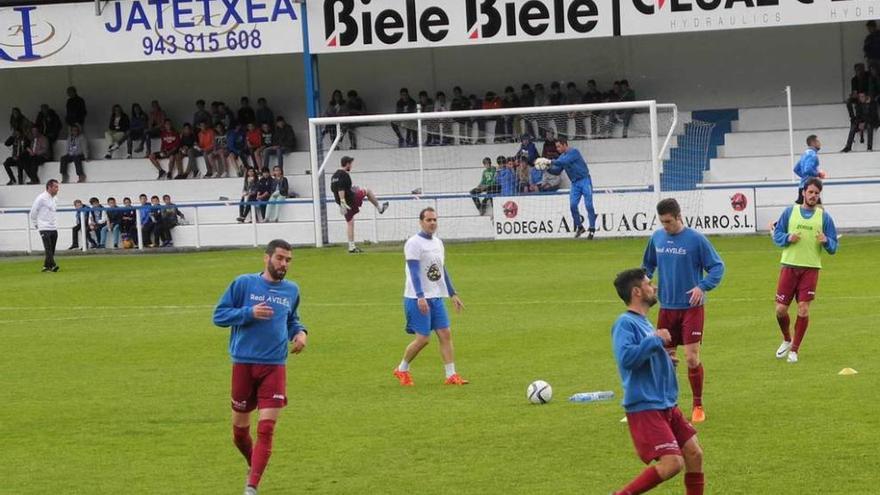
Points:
x=714, y=211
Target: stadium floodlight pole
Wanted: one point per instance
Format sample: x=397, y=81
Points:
x=790, y=126
x=421, y=153
x=655, y=160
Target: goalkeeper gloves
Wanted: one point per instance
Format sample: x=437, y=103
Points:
x=542, y=163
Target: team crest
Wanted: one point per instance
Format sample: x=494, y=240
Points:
x=434, y=272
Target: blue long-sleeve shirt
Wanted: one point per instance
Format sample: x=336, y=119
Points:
x=645, y=369
x=145, y=213
x=507, y=180
x=807, y=166
x=780, y=233
x=572, y=163
x=259, y=341
x=530, y=151
x=685, y=260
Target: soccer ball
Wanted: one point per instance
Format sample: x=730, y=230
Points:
x=539, y=392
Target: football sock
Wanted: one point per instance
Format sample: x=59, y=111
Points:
x=262, y=451
x=351, y=245
x=241, y=437
x=450, y=369
x=784, y=325
x=800, y=329
x=403, y=366
x=644, y=482
x=693, y=483
x=695, y=376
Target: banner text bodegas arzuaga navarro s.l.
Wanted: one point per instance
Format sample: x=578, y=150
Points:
x=146, y=30
x=714, y=211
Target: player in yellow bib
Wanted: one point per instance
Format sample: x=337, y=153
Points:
x=803, y=231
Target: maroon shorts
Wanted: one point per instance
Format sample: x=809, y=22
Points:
x=684, y=325
x=258, y=385
x=659, y=432
x=359, y=195
x=797, y=283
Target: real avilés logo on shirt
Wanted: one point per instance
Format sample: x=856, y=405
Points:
x=680, y=251
x=283, y=301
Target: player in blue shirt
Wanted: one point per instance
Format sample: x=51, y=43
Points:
x=650, y=392
x=808, y=165
x=689, y=267
x=261, y=308
x=571, y=161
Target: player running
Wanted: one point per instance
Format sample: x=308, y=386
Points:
x=261, y=308
x=802, y=231
x=650, y=392
x=808, y=165
x=572, y=162
x=350, y=198
x=689, y=267
x=427, y=284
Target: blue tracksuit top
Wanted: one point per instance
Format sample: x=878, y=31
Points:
x=506, y=178
x=807, y=166
x=573, y=163
x=682, y=259
x=645, y=369
x=259, y=341
x=780, y=233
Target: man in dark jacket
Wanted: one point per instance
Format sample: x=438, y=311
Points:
x=49, y=123
x=864, y=119
x=76, y=108
x=283, y=141
x=19, y=144
x=405, y=105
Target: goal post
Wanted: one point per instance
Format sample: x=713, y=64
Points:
x=421, y=156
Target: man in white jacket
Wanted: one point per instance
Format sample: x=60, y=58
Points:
x=44, y=218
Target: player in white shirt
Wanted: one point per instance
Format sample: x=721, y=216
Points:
x=427, y=284
x=43, y=217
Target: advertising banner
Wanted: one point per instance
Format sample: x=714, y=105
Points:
x=146, y=30
x=679, y=16
x=359, y=25
x=715, y=211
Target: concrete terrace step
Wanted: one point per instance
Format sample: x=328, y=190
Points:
x=739, y=144
x=779, y=168
x=804, y=117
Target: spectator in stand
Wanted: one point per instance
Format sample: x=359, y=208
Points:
x=216, y=117
x=97, y=222
x=18, y=122
x=871, y=46
x=541, y=98
x=425, y=105
x=535, y=178
x=201, y=115
x=153, y=231
x=205, y=147
x=523, y=178
x=593, y=95
x=137, y=130
x=459, y=103
x=155, y=124
x=557, y=98
x=354, y=106
x=527, y=149
x=485, y=188
x=512, y=123
x=189, y=150
x=280, y=191
x=18, y=144
x=480, y=123
x=224, y=115
x=264, y=191
x=144, y=210
x=49, y=123
x=236, y=149
x=527, y=99
x=506, y=178
x=626, y=94
x=114, y=222
x=283, y=141
x=859, y=83
x=116, y=132
x=573, y=96
x=549, y=182
x=248, y=194
x=444, y=126
x=548, y=150
x=541, y=121
x=37, y=153
x=171, y=217
x=218, y=156
x=76, y=109
x=128, y=224
x=246, y=114
x=80, y=210
x=264, y=113
x=493, y=102
x=265, y=142
x=405, y=104
x=254, y=140
x=77, y=152
x=336, y=107
x=170, y=144
x=609, y=117
x=864, y=119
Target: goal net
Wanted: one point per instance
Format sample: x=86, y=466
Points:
x=476, y=168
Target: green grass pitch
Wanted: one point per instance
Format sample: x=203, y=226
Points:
x=114, y=380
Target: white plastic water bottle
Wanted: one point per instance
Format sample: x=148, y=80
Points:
x=592, y=396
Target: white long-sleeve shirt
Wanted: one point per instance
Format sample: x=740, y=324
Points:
x=43, y=212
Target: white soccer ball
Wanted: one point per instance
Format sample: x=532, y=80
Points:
x=539, y=392
x=542, y=163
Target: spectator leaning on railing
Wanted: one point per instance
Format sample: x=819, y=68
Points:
x=114, y=222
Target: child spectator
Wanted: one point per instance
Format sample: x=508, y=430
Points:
x=171, y=217
x=170, y=145
x=218, y=156
x=188, y=150
x=283, y=141
x=114, y=221
x=264, y=113
x=236, y=149
x=137, y=130
x=77, y=152
x=254, y=138
x=248, y=194
x=280, y=190
x=264, y=191
x=206, y=147
x=117, y=131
